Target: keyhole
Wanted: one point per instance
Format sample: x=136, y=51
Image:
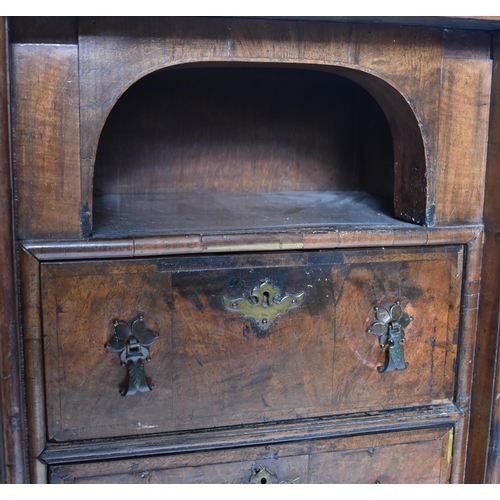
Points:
x=263, y=480
x=265, y=299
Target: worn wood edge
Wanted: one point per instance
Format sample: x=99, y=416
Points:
x=465, y=354
x=12, y=421
x=486, y=23
x=48, y=250
x=33, y=353
x=373, y=422
x=457, y=468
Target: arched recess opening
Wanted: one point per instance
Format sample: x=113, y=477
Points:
x=210, y=147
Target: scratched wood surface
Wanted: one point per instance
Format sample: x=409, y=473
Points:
x=207, y=213
x=378, y=458
x=45, y=120
x=213, y=366
x=485, y=416
x=463, y=138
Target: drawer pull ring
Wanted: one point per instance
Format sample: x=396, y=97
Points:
x=131, y=342
x=389, y=327
x=265, y=304
x=265, y=476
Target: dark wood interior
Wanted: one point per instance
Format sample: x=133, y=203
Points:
x=210, y=131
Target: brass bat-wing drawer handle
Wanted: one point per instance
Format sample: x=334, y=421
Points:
x=131, y=342
x=389, y=327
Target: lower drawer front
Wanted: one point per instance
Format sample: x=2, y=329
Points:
x=213, y=364
x=417, y=456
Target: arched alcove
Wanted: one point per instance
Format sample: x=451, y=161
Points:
x=208, y=147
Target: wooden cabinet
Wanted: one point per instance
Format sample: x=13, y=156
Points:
x=249, y=250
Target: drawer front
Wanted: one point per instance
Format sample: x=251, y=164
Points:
x=216, y=363
x=417, y=456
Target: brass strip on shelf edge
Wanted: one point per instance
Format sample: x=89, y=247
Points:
x=48, y=250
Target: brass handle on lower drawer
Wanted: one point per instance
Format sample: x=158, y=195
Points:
x=131, y=342
x=389, y=327
x=265, y=476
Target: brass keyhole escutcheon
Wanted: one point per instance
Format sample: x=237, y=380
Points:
x=262, y=475
x=264, y=304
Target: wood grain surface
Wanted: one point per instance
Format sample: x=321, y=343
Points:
x=396, y=234
x=33, y=359
x=233, y=128
x=363, y=459
x=485, y=418
x=252, y=435
x=138, y=141
x=209, y=212
x=170, y=42
x=213, y=365
x=417, y=74
x=12, y=432
x=463, y=137
x=465, y=353
x=46, y=140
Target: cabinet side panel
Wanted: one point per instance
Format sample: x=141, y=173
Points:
x=483, y=464
x=46, y=143
x=12, y=466
x=463, y=133
x=493, y=459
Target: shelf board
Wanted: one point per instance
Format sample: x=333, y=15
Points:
x=124, y=215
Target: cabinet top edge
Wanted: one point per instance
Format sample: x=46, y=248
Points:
x=486, y=23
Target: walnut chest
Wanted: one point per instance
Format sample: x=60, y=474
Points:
x=249, y=249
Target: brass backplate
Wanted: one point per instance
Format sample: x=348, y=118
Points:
x=264, y=304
